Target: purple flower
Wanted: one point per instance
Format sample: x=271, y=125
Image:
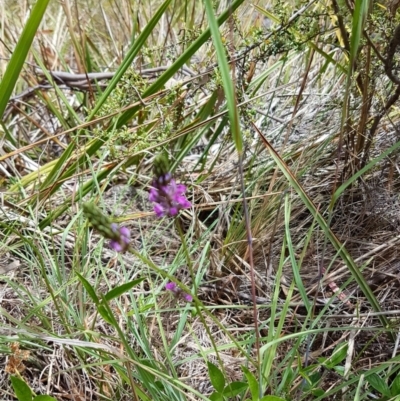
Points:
x=187, y=297
x=120, y=242
x=168, y=196
x=171, y=286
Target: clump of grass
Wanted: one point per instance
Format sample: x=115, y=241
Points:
x=259, y=263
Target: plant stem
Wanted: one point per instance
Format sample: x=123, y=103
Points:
x=251, y=263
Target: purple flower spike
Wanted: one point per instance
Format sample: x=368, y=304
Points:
x=168, y=196
x=122, y=238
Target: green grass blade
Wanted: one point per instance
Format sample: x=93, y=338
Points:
x=359, y=18
x=295, y=266
x=20, y=52
x=227, y=82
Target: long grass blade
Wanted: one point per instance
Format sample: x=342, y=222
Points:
x=20, y=52
x=227, y=81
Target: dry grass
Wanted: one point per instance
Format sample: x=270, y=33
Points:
x=51, y=333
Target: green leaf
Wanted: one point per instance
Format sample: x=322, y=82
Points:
x=359, y=18
x=268, y=14
x=58, y=169
x=234, y=388
x=20, y=52
x=44, y=398
x=117, y=291
x=295, y=268
x=288, y=378
x=22, y=390
x=252, y=382
x=271, y=398
x=395, y=387
x=339, y=370
x=378, y=384
x=317, y=392
x=104, y=314
x=311, y=380
x=215, y=396
x=216, y=376
x=227, y=82
x=89, y=289
x=338, y=355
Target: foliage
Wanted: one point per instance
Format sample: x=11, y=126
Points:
x=199, y=200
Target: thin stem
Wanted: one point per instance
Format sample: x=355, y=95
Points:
x=251, y=263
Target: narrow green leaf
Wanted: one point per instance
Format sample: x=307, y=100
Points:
x=288, y=378
x=227, y=82
x=395, y=388
x=20, y=52
x=216, y=376
x=235, y=388
x=44, y=398
x=361, y=172
x=378, y=384
x=268, y=14
x=89, y=289
x=359, y=18
x=215, y=396
x=328, y=57
x=57, y=169
x=338, y=355
x=117, y=291
x=357, y=396
x=105, y=314
x=22, y=390
x=295, y=267
x=253, y=384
